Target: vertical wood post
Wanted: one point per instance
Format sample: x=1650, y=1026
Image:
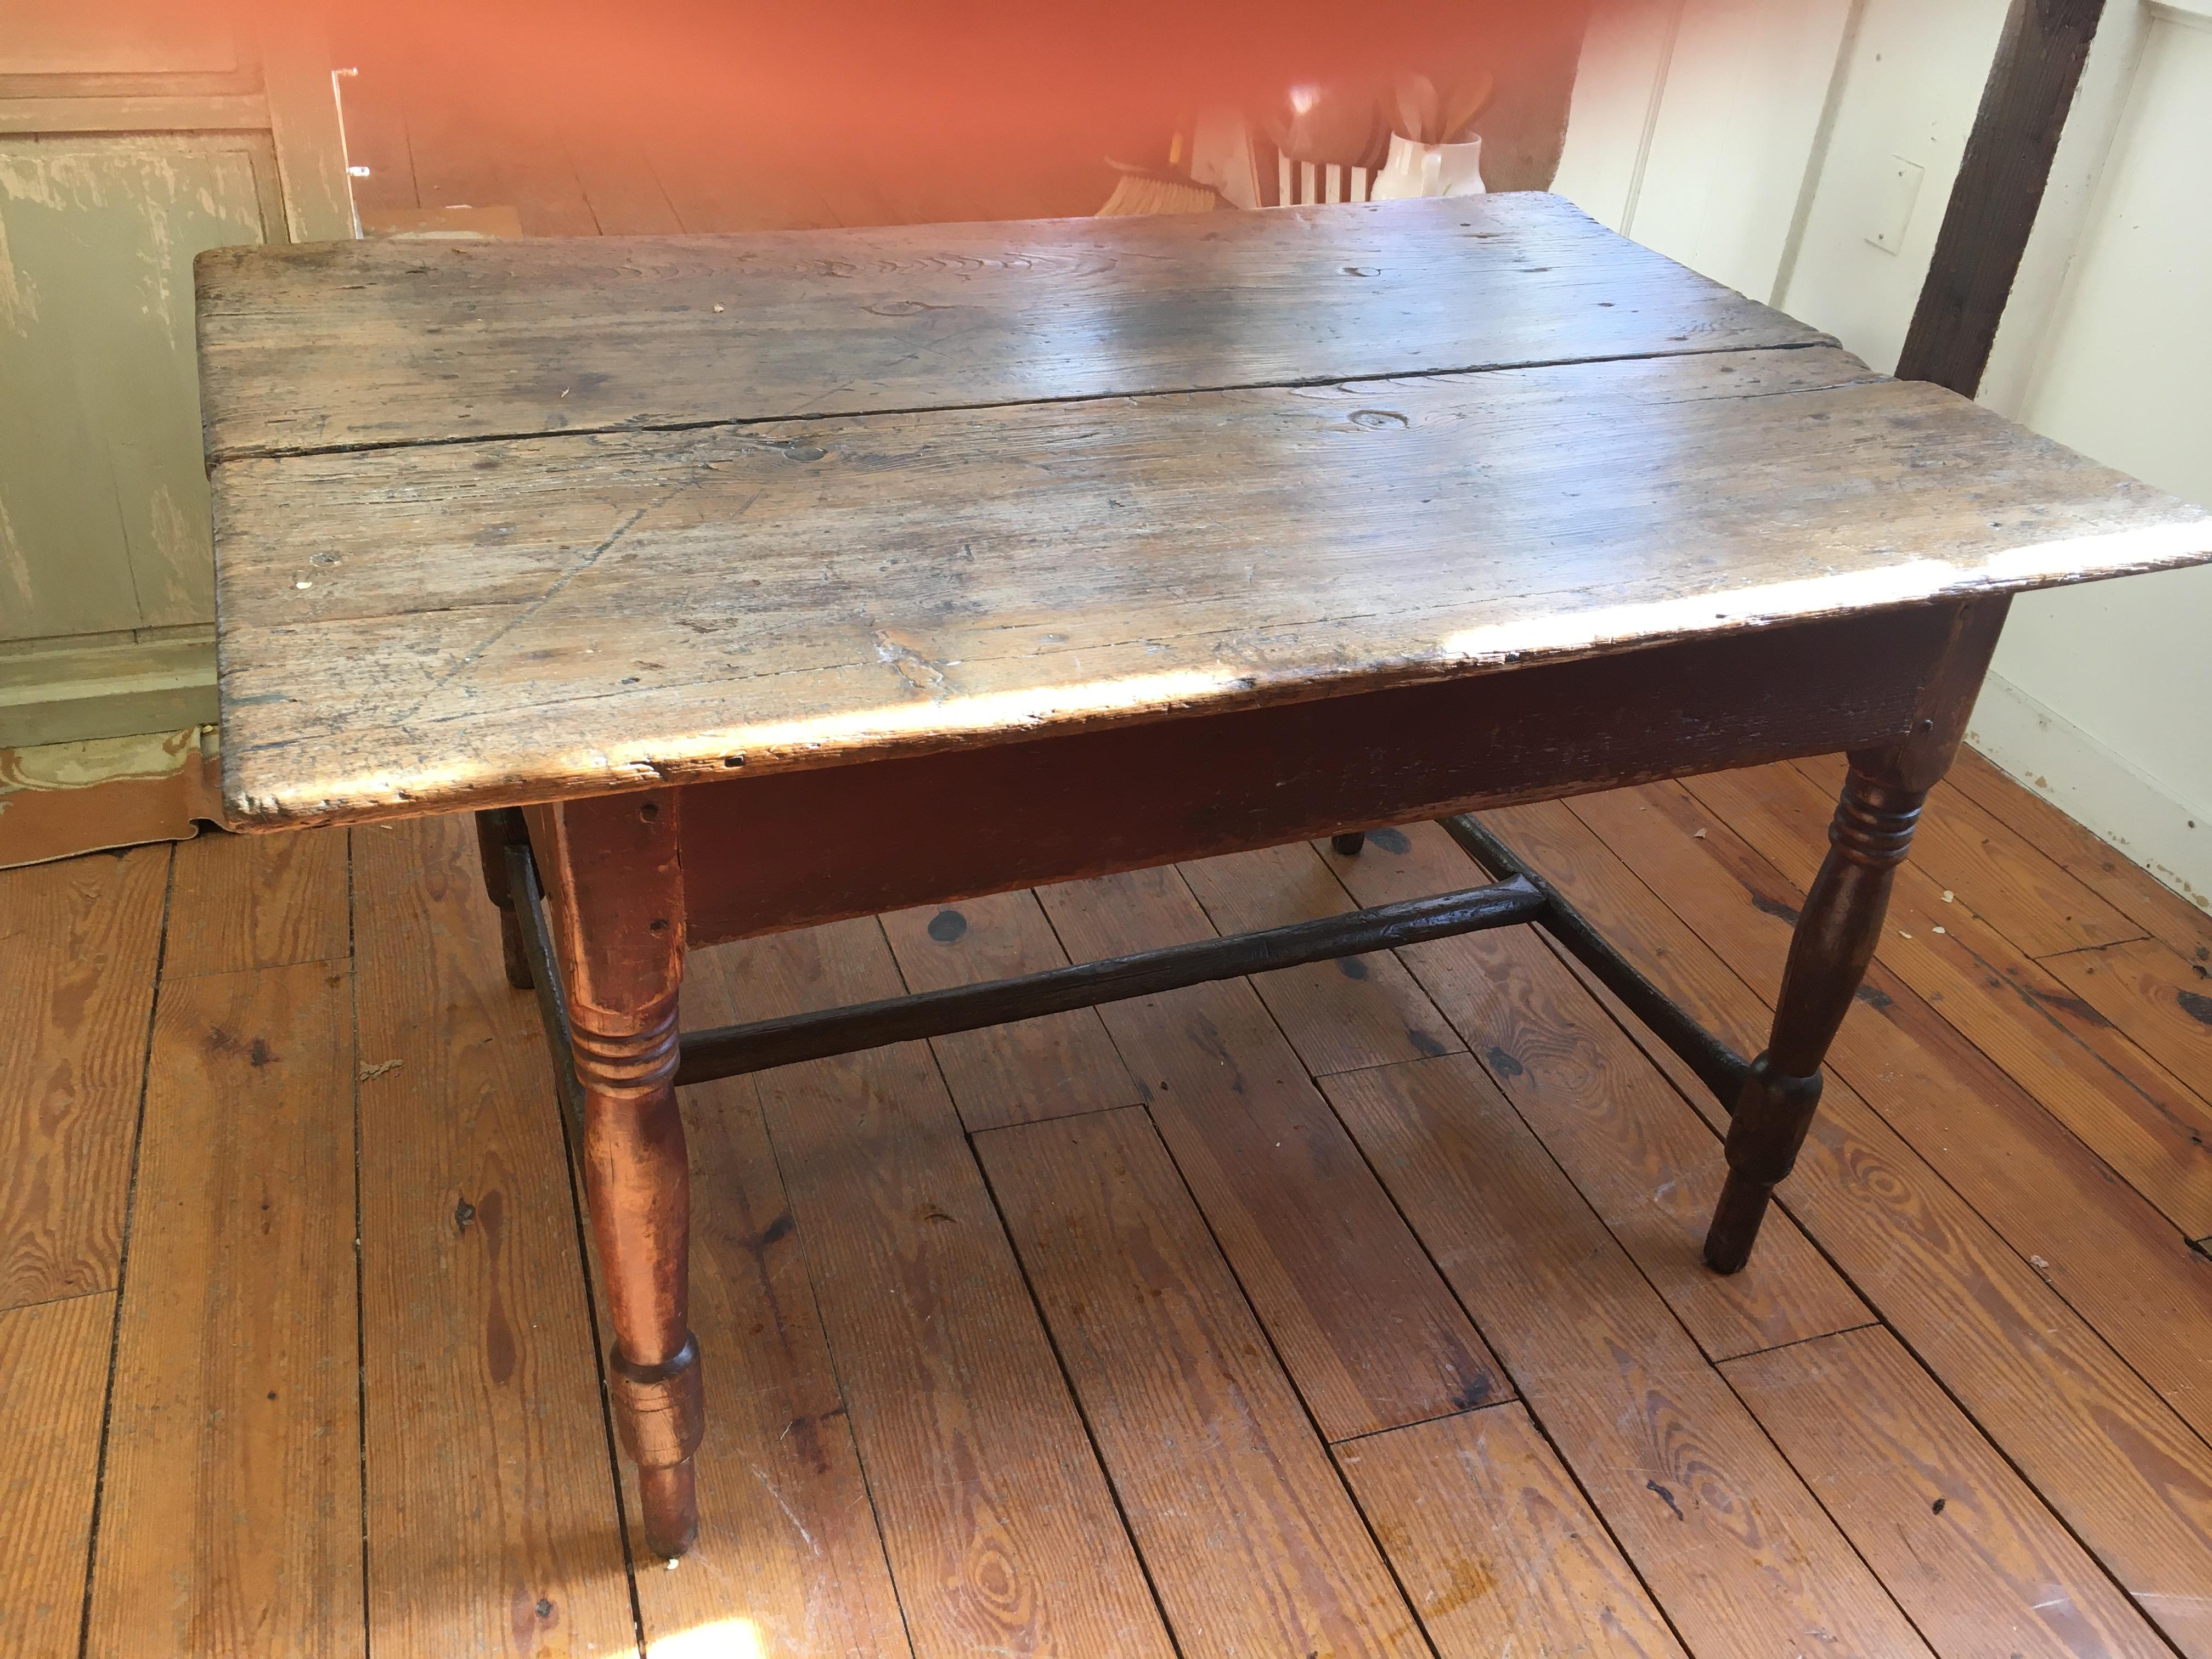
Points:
x=1999, y=188
x=613, y=874
x=497, y=829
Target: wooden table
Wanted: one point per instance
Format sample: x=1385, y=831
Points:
x=776, y=579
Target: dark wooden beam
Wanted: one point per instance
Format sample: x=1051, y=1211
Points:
x=1999, y=187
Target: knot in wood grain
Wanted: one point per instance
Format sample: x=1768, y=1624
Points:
x=624, y=1065
x=1875, y=820
x=660, y=1410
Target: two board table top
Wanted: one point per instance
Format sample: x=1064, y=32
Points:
x=520, y=521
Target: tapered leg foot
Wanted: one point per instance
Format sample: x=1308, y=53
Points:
x=1828, y=957
x=660, y=1413
x=1772, y=1116
x=669, y=1498
x=1734, y=1227
x=1348, y=843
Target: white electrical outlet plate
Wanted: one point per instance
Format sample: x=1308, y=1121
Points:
x=1895, y=188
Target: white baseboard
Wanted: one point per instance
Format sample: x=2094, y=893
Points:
x=2096, y=786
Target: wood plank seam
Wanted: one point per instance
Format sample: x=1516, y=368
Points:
x=1067, y=1377
x=1650, y=1045
x=2035, y=1000
x=1605, y=1523
x=288, y=452
x=1996, y=1446
x=1275, y=1353
x=2084, y=950
x=1657, y=1053
x=837, y=1380
x=1889, y=986
x=1667, y=1312
x=1800, y=1341
x=867, y=1483
x=122, y=1263
x=359, y=1267
x=2081, y=1348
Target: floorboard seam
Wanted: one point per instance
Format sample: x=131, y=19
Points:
x=1423, y=1422
x=1067, y=1379
x=1848, y=1542
x=1726, y=1360
x=123, y=1264
x=360, y=1265
x=51, y=1301
x=829, y=1348
x=1313, y=1423
x=2003, y=1456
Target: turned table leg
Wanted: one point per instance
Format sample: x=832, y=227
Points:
x=614, y=887
x=498, y=828
x=1837, y=933
x=1828, y=957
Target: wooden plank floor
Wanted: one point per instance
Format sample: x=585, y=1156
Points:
x=1353, y=1310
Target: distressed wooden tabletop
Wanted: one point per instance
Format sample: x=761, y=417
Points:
x=511, y=521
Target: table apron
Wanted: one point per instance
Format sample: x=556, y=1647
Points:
x=791, y=849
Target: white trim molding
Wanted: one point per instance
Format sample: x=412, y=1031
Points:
x=2096, y=787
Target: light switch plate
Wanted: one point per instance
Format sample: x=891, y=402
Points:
x=1895, y=188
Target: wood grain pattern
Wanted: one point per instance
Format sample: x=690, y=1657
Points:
x=485, y=1445
x=1498, y=1549
x=55, y=1359
x=362, y=343
x=1051, y=1066
x=1366, y=1330
x=2148, y=990
x=2147, y=902
x=2133, y=1113
x=1226, y=1484
x=788, y=1557
x=1725, y=1536
x=2028, y=1367
x=2111, y=1255
x=1636, y=1151
x=2007, y=880
x=230, y=1515
x=1965, y=1544
x=243, y=901
x=1000, y=1528
x=79, y=940
x=911, y=582
x=1339, y=1015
